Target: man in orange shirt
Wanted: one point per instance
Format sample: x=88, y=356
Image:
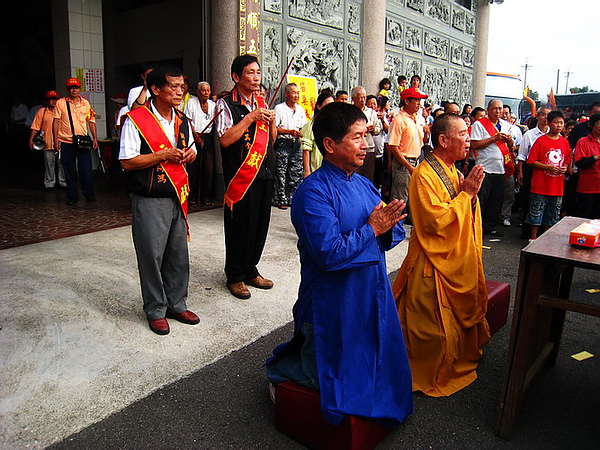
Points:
x=74, y=159
x=405, y=142
x=43, y=122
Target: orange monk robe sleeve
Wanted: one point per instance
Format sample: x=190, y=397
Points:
x=449, y=232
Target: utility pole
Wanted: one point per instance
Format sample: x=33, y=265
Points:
x=526, y=66
x=567, y=86
x=557, y=79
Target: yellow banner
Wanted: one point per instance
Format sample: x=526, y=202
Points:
x=308, y=92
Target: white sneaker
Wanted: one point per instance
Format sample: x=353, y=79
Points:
x=506, y=223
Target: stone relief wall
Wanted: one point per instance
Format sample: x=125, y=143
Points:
x=439, y=47
x=432, y=38
x=323, y=37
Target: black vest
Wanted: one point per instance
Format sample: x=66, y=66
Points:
x=153, y=181
x=234, y=155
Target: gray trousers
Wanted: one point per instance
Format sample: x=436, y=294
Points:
x=51, y=160
x=160, y=240
x=509, y=198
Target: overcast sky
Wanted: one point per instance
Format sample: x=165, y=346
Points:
x=548, y=35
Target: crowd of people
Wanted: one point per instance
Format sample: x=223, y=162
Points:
x=353, y=175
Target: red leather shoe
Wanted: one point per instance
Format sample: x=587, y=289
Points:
x=187, y=317
x=159, y=326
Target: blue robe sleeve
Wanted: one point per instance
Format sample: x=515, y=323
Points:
x=321, y=233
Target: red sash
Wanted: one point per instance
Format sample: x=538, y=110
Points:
x=257, y=147
x=509, y=165
x=154, y=135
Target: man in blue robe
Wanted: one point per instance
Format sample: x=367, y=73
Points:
x=347, y=340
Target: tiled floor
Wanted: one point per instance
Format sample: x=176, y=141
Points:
x=29, y=214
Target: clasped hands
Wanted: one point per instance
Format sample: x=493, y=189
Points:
x=384, y=218
x=177, y=155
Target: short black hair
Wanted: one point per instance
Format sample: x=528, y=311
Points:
x=595, y=118
x=239, y=62
x=324, y=95
x=334, y=121
x=476, y=110
x=441, y=125
x=554, y=114
x=158, y=76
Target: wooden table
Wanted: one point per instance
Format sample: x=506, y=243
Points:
x=545, y=273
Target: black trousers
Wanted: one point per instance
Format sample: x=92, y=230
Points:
x=246, y=228
x=491, y=196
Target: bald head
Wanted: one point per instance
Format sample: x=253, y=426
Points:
x=494, y=110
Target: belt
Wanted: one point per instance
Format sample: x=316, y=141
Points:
x=287, y=139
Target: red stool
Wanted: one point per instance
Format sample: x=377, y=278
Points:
x=298, y=414
x=498, y=302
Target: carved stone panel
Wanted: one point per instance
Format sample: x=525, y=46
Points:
x=435, y=82
x=413, y=38
x=353, y=64
x=436, y=46
x=393, y=32
x=466, y=88
x=439, y=10
x=468, y=57
x=272, y=53
x=320, y=56
x=459, y=18
x=454, y=94
x=272, y=6
x=456, y=53
x=417, y=5
x=329, y=13
x=412, y=67
x=470, y=25
x=393, y=68
x=354, y=18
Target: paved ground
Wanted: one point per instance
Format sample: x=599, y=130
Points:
x=78, y=357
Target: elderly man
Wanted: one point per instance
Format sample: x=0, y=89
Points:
x=154, y=149
x=492, y=144
x=440, y=289
x=71, y=117
x=290, y=117
x=347, y=340
x=405, y=141
x=246, y=127
x=201, y=111
x=359, y=99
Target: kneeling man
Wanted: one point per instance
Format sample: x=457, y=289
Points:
x=347, y=340
x=440, y=288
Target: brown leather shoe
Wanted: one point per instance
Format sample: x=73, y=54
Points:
x=239, y=290
x=159, y=326
x=260, y=282
x=187, y=317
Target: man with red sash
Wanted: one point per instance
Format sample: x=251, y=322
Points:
x=492, y=144
x=246, y=129
x=154, y=149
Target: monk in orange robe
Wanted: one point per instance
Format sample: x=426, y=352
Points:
x=440, y=289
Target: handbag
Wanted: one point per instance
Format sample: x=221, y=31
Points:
x=80, y=141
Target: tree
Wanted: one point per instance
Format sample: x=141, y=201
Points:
x=576, y=90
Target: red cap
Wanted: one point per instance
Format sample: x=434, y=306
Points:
x=412, y=93
x=52, y=94
x=73, y=82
